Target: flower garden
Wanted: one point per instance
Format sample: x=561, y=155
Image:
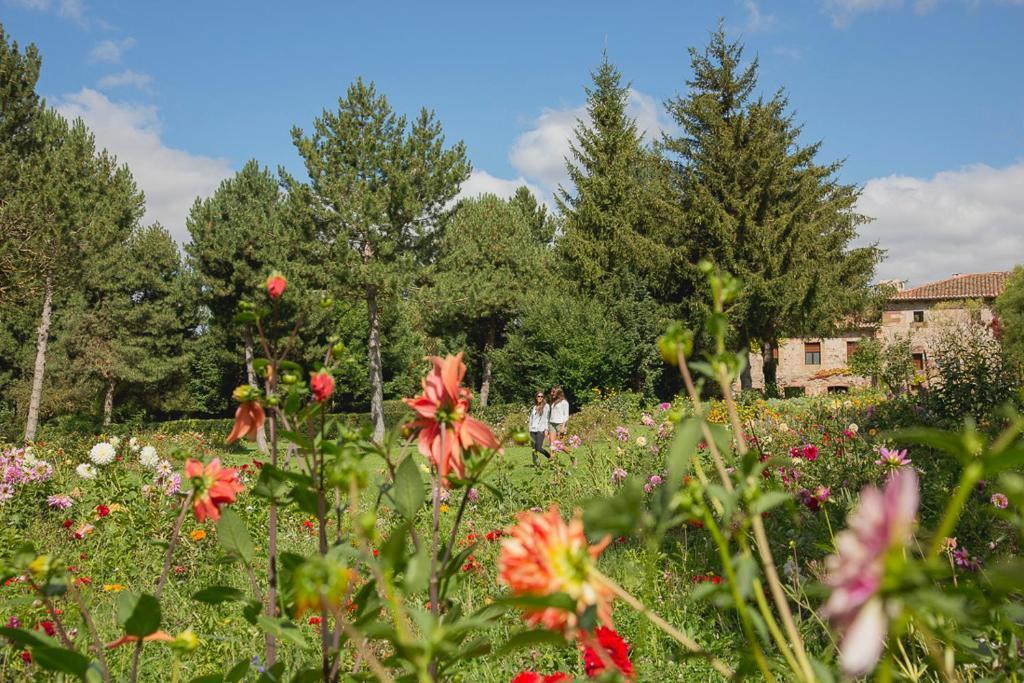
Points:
x=806, y=539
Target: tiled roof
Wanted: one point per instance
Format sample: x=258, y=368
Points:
x=966, y=286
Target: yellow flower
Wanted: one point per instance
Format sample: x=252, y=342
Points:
x=198, y=535
x=444, y=507
x=112, y=588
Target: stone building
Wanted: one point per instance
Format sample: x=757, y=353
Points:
x=816, y=366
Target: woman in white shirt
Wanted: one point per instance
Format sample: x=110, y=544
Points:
x=539, y=415
x=559, y=413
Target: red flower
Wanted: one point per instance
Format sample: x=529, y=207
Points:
x=314, y=621
x=26, y=656
x=249, y=418
x=212, y=486
x=322, y=385
x=102, y=510
x=534, y=677
x=494, y=535
x=68, y=523
x=49, y=627
x=444, y=405
x=615, y=649
x=810, y=452
x=276, y=285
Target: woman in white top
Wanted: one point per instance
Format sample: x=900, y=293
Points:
x=559, y=413
x=539, y=415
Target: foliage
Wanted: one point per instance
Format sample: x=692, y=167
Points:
x=1009, y=324
x=760, y=204
x=889, y=363
x=972, y=379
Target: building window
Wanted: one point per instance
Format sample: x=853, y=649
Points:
x=918, y=316
x=812, y=353
x=839, y=390
x=851, y=348
x=918, y=359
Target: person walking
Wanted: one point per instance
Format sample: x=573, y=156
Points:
x=559, y=414
x=539, y=415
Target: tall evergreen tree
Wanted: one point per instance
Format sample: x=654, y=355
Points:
x=131, y=336
x=541, y=221
x=760, y=205
x=82, y=206
x=611, y=219
x=377, y=189
x=491, y=258
x=238, y=238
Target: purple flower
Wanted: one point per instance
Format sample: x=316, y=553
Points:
x=473, y=495
x=999, y=500
x=6, y=491
x=646, y=420
x=963, y=559
x=60, y=501
x=882, y=522
x=618, y=475
x=664, y=406
x=892, y=460
x=814, y=499
x=575, y=441
x=622, y=434
x=653, y=481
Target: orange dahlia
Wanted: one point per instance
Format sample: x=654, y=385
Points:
x=212, y=487
x=542, y=555
x=444, y=405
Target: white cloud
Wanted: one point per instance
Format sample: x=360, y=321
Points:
x=127, y=78
x=756, y=20
x=110, y=51
x=171, y=178
x=37, y=5
x=71, y=9
x=482, y=182
x=843, y=11
x=962, y=221
x=539, y=154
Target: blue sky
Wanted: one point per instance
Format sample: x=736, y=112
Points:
x=923, y=98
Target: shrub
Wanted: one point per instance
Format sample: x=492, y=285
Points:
x=973, y=376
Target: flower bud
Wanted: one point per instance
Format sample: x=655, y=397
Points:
x=338, y=350
x=677, y=339
x=276, y=285
x=245, y=393
x=521, y=437
x=186, y=641
x=322, y=385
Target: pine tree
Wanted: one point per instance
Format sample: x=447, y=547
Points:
x=378, y=187
x=610, y=246
x=490, y=260
x=238, y=239
x=756, y=202
x=541, y=221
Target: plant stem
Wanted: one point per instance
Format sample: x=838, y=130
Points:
x=970, y=477
x=680, y=637
x=91, y=626
x=164, y=573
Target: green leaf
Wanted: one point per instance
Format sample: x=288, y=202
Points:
x=59, y=659
x=557, y=600
x=408, y=491
x=215, y=595
x=530, y=638
x=237, y=672
x=768, y=500
x=684, y=446
x=617, y=515
x=20, y=636
x=208, y=678
x=234, y=536
x=283, y=629
x=138, y=614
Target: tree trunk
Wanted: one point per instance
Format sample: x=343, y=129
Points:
x=250, y=375
x=376, y=373
x=42, y=339
x=108, y=403
x=770, y=365
x=485, y=377
x=746, y=380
